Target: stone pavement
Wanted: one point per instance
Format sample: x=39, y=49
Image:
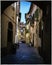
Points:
x=24, y=55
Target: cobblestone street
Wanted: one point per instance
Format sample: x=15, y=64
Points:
x=24, y=55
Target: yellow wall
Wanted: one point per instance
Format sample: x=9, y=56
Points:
x=6, y=18
x=11, y=13
x=28, y=38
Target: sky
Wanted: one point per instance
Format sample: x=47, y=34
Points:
x=24, y=8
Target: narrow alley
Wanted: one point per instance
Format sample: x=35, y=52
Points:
x=24, y=55
x=25, y=29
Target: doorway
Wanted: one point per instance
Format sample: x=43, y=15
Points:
x=10, y=34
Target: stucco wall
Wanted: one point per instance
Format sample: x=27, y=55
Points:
x=6, y=18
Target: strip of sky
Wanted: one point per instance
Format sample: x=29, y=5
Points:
x=24, y=8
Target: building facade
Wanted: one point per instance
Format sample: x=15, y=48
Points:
x=18, y=16
x=34, y=17
x=9, y=22
x=22, y=31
